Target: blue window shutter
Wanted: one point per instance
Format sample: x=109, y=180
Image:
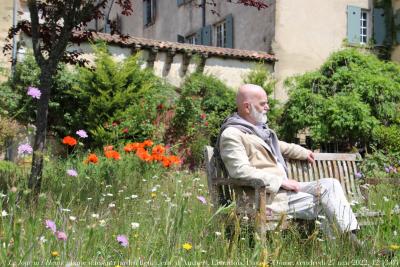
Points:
x=379, y=26
x=145, y=21
x=180, y=38
x=353, y=24
x=206, y=35
x=180, y=2
x=199, y=39
x=229, y=31
x=397, y=25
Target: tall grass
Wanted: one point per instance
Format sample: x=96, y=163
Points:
x=106, y=198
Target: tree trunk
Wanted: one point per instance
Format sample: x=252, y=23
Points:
x=35, y=178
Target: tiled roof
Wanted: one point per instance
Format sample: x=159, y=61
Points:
x=179, y=47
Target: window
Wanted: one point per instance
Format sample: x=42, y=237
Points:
x=191, y=39
x=182, y=2
x=149, y=10
x=358, y=28
x=221, y=34
x=363, y=27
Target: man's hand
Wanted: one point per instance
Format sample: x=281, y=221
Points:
x=291, y=185
x=310, y=157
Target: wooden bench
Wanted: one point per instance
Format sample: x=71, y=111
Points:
x=334, y=165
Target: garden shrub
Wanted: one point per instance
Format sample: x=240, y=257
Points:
x=351, y=94
x=14, y=102
x=387, y=138
x=119, y=100
x=204, y=103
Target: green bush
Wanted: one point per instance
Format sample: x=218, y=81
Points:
x=15, y=103
x=204, y=103
x=387, y=138
x=118, y=100
x=342, y=102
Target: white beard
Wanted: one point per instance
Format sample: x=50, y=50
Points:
x=259, y=117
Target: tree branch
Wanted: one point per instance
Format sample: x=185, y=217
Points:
x=35, y=29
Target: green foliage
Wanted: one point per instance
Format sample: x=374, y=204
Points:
x=15, y=103
x=381, y=164
x=387, y=138
x=260, y=75
x=203, y=104
x=119, y=99
x=350, y=95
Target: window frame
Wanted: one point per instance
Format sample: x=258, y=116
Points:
x=152, y=18
x=364, y=36
x=220, y=34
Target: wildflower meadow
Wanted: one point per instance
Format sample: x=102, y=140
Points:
x=124, y=184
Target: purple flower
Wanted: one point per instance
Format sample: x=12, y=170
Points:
x=72, y=172
x=387, y=169
x=34, y=92
x=359, y=175
x=122, y=240
x=25, y=149
x=202, y=199
x=51, y=225
x=82, y=133
x=61, y=235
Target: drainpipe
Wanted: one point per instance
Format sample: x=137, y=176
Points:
x=14, y=46
x=203, y=9
x=106, y=18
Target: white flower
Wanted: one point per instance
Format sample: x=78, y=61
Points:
x=245, y=218
x=317, y=222
x=95, y=215
x=107, y=186
x=155, y=177
x=322, y=217
x=4, y=213
x=203, y=251
x=148, y=201
x=201, y=185
x=395, y=233
x=120, y=191
x=385, y=199
x=154, y=189
x=218, y=233
x=72, y=218
x=66, y=210
x=42, y=239
x=179, y=181
x=109, y=194
x=2, y=195
x=144, y=180
x=135, y=225
x=89, y=198
x=102, y=223
x=134, y=196
x=319, y=239
x=111, y=205
x=126, y=198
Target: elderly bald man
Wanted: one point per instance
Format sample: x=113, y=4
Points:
x=248, y=148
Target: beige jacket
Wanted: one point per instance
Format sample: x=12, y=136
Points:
x=247, y=155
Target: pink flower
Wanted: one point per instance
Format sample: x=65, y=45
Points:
x=34, y=92
x=72, y=172
x=123, y=240
x=82, y=133
x=51, y=225
x=202, y=199
x=61, y=235
x=25, y=149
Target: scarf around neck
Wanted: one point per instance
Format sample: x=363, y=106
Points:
x=265, y=133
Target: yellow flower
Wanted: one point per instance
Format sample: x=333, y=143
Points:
x=153, y=195
x=55, y=254
x=136, y=235
x=187, y=246
x=394, y=247
x=263, y=264
x=118, y=265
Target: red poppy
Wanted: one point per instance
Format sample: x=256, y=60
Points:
x=203, y=116
x=92, y=158
x=108, y=148
x=112, y=154
x=147, y=143
x=68, y=140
